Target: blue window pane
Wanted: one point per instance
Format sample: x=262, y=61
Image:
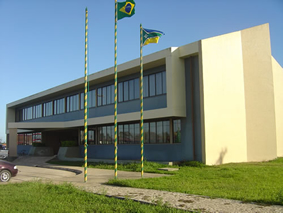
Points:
x=164, y=82
x=137, y=88
x=126, y=91
x=152, y=85
x=159, y=83
x=145, y=86
x=120, y=92
x=131, y=90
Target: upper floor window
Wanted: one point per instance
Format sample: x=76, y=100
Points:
x=154, y=84
x=73, y=103
x=27, y=113
x=59, y=106
x=48, y=108
x=92, y=98
x=37, y=111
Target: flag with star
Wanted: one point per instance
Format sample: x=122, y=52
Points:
x=126, y=9
x=150, y=36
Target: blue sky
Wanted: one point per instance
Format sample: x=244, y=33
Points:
x=42, y=42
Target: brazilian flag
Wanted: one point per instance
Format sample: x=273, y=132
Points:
x=150, y=36
x=125, y=9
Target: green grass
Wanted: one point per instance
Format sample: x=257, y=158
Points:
x=149, y=167
x=47, y=197
x=250, y=182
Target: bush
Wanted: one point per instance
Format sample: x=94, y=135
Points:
x=38, y=144
x=68, y=143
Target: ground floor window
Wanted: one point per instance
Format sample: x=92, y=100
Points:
x=177, y=131
x=155, y=132
x=29, y=138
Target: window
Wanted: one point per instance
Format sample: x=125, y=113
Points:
x=159, y=133
x=177, y=131
x=166, y=131
x=152, y=85
x=120, y=92
x=120, y=134
x=99, y=97
x=131, y=90
x=82, y=100
x=27, y=115
x=131, y=133
x=92, y=98
x=108, y=95
x=126, y=134
x=73, y=103
x=36, y=137
x=106, y=134
x=29, y=138
x=126, y=91
x=159, y=83
x=48, y=109
x=104, y=96
x=110, y=135
x=146, y=132
x=152, y=132
x=112, y=98
x=37, y=111
x=59, y=106
x=137, y=136
x=145, y=86
x=91, y=136
x=137, y=88
x=164, y=82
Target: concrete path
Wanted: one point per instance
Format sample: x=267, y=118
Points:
x=97, y=177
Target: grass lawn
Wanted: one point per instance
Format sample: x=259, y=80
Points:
x=150, y=167
x=250, y=182
x=47, y=197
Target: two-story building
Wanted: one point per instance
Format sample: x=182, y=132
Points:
x=216, y=100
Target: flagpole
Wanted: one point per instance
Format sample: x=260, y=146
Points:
x=141, y=94
x=115, y=86
x=85, y=95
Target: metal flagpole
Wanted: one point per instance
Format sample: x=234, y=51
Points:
x=85, y=95
x=115, y=71
x=141, y=94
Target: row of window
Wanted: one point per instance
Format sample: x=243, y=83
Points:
x=154, y=132
x=154, y=84
x=29, y=138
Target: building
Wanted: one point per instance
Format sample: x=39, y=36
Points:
x=216, y=100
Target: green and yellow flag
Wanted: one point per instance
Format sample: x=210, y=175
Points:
x=126, y=9
x=150, y=36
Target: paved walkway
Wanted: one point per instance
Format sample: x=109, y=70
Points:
x=97, y=177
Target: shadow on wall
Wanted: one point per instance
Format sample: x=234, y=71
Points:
x=221, y=156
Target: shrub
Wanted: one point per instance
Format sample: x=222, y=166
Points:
x=68, y=143
x=34, y=144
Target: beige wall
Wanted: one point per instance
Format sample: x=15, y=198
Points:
x=278, y=100
x=259, y=95
x=223, y=99
x=13, y=142
x=175, y=82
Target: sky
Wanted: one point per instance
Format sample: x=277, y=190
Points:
x=42, y=41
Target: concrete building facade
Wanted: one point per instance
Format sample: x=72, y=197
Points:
x=217, y=100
